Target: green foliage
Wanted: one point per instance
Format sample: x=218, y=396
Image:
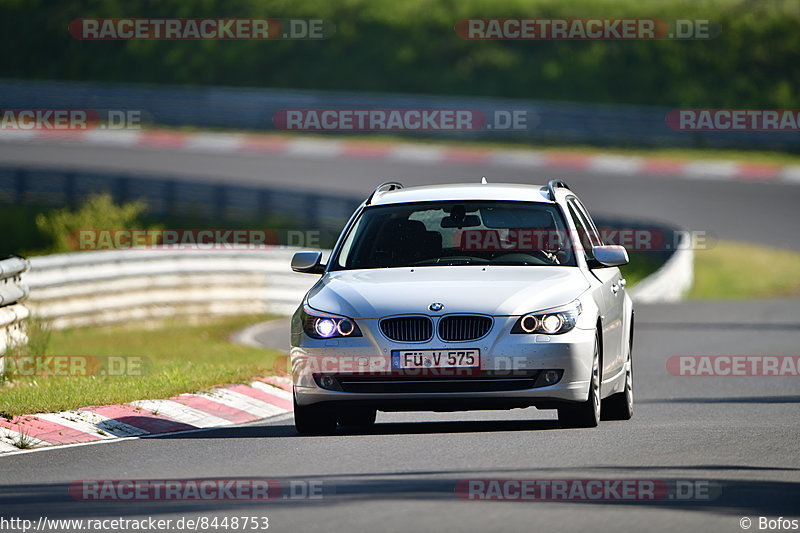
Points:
x=411, y=46
x=39, y=230
x=19, y=233
x=98, y=212
x=38, y=332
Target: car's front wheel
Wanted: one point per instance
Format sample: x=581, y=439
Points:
x=315, y=419
x=585, y=414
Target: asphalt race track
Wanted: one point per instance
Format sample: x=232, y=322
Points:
x=735, y=210
x=733, y=440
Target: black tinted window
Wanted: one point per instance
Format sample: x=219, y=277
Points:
x=457, y=233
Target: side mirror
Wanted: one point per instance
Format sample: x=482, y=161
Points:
x=610, y=255
x=308, y=262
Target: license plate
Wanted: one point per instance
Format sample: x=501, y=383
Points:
x=469, y=358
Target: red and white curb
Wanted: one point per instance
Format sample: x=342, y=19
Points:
x=218, y=407
x=411, y=153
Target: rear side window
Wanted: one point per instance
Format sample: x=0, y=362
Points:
x=594, y=234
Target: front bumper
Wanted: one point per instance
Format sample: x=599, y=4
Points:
x=510, y=367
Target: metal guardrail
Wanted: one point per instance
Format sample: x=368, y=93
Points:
x=12, y=311
x=240, y=108
x=167, y=197
x=671, y=281
x=104, y=287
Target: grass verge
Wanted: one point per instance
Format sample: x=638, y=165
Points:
x=641, y=265
x=734, y=270
x=178, y=357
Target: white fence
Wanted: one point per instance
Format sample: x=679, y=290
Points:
x=12, y=311
x=103, y=287
x=671, y=281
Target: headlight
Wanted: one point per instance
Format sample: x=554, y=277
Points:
x=550, y=322
x=319, y=325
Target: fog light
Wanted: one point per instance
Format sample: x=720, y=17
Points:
x=551, y=376
x=329, y=382
x=548, y=377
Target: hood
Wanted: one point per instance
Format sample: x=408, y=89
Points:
x=490, y=290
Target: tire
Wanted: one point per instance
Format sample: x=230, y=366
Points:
x=585, y=414
x=619, y=406
x=357, y=417
x=314, y=419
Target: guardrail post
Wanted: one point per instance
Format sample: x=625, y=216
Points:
x=169, y=197
x=20, y=185
x=121, y=188
x=264, y=201
x=311, y=212
x=69, y=188
x=220, y=201
x=12, y=311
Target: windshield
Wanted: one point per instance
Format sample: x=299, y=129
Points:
x=456, y=233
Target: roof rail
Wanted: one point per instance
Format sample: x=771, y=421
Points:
x=384, y=187
x=551, y=186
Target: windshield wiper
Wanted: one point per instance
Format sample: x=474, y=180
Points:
x=446, y=261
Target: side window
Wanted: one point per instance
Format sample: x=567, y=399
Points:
x=348, y=243
x=595, y=235
x=584, y=238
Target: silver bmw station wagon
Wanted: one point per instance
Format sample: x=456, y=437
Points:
x=462, y=297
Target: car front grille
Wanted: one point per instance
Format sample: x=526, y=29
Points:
x=407, y=328
x=464, y=327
